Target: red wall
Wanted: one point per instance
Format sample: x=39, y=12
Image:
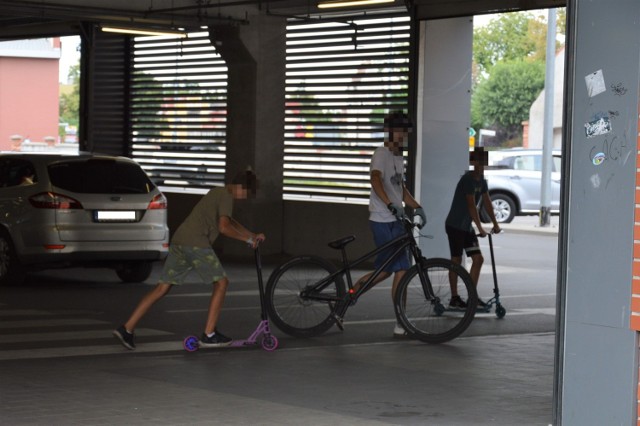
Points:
x=28, y=99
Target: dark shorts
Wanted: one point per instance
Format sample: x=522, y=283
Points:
x=460, y=241
x=383, y=232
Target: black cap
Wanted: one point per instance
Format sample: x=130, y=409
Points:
x=397, y=120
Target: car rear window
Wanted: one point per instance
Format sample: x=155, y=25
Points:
x=100, y=176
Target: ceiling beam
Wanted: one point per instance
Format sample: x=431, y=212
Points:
x=438, y=9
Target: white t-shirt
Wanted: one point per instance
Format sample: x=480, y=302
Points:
x=391, y=168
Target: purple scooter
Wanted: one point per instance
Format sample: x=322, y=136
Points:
x=269, y=342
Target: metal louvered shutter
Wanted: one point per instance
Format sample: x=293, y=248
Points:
x=344, y=74
x=178, y=111
x=107, y=125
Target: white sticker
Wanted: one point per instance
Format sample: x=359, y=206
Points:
x=595, y=83
x=597, y=127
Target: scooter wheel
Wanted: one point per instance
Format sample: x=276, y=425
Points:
x=269, y=343
x=500, y=311
x=191, y=344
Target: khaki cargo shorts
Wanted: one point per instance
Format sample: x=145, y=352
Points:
x=184, y=259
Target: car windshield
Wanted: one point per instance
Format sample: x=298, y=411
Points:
x=100, y=176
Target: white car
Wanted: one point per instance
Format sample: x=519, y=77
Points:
x=79, y=210
x=514, y=178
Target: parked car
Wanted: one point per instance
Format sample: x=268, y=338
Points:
x=61, y=210
x=514, y=178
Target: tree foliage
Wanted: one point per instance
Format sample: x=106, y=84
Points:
x=70, y=102
x=503, y=39
x=503, y=100
x=509, y=54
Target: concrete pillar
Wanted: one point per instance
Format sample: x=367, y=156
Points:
x=255, y=56
x=597, y=362
x=444, y=105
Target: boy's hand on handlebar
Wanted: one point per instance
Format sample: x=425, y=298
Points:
x=396, y=210
x=423, y=217
x=254, y=241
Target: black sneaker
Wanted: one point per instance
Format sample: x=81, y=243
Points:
x=482, y=305
x=218, y=340
x=125, y=337
x=457, y=304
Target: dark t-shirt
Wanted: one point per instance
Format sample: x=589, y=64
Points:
x=459, y=217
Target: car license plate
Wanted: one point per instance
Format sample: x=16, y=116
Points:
x=115, y=215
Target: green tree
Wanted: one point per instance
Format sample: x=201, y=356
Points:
x=513, y=45
x=70, y=102
x=504, y=38
x=513, y=36
x=502, y=101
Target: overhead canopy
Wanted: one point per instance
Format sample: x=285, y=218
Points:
x=24, y=19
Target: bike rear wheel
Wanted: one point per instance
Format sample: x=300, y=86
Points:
x=426, y=315
x=293, y=313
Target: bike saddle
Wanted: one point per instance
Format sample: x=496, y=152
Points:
x=341, y=242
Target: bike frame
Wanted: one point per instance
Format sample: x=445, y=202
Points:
x=399, y=244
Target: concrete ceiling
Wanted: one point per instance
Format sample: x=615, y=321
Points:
x=24, y=18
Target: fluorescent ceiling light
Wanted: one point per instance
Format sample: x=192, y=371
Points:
x=142, y=31
x=347, y=3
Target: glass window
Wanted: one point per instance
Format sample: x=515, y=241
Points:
x=14, y=172
x=100, y=176
x=532, y=163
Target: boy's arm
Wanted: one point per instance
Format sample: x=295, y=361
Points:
x=473, y=212
x=378, y=186
x=408, y=198
x=488, y=206
x=231, y=228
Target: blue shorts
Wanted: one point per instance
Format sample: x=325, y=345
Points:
x=383, y=232
x=183, y=259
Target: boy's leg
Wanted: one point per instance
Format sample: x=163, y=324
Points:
x=124, y=333
x=159, y=291
x=476, y=265
x=381, y=277
x=397, y=277
x=453, y=277
x=215, y=305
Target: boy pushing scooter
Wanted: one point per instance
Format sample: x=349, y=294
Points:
x=191, y=250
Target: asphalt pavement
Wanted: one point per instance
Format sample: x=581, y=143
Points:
x=476, y=380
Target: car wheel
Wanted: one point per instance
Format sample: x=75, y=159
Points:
x=134, y=272
x=503, y=207
x=11, y=271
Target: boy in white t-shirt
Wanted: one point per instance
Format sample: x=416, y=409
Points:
x=388, y=193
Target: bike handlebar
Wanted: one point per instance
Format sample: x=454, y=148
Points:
x=410, y=223
x=489, y=233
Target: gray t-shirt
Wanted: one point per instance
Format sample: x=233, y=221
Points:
x=391, y=168
x=200, y=228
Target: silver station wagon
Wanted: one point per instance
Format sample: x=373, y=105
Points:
x=79, y=210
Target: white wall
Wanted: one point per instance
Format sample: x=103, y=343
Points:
x=536, y=113
x=444, y=99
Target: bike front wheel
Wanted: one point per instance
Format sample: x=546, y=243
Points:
x=422, y=301
x=290, y=309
